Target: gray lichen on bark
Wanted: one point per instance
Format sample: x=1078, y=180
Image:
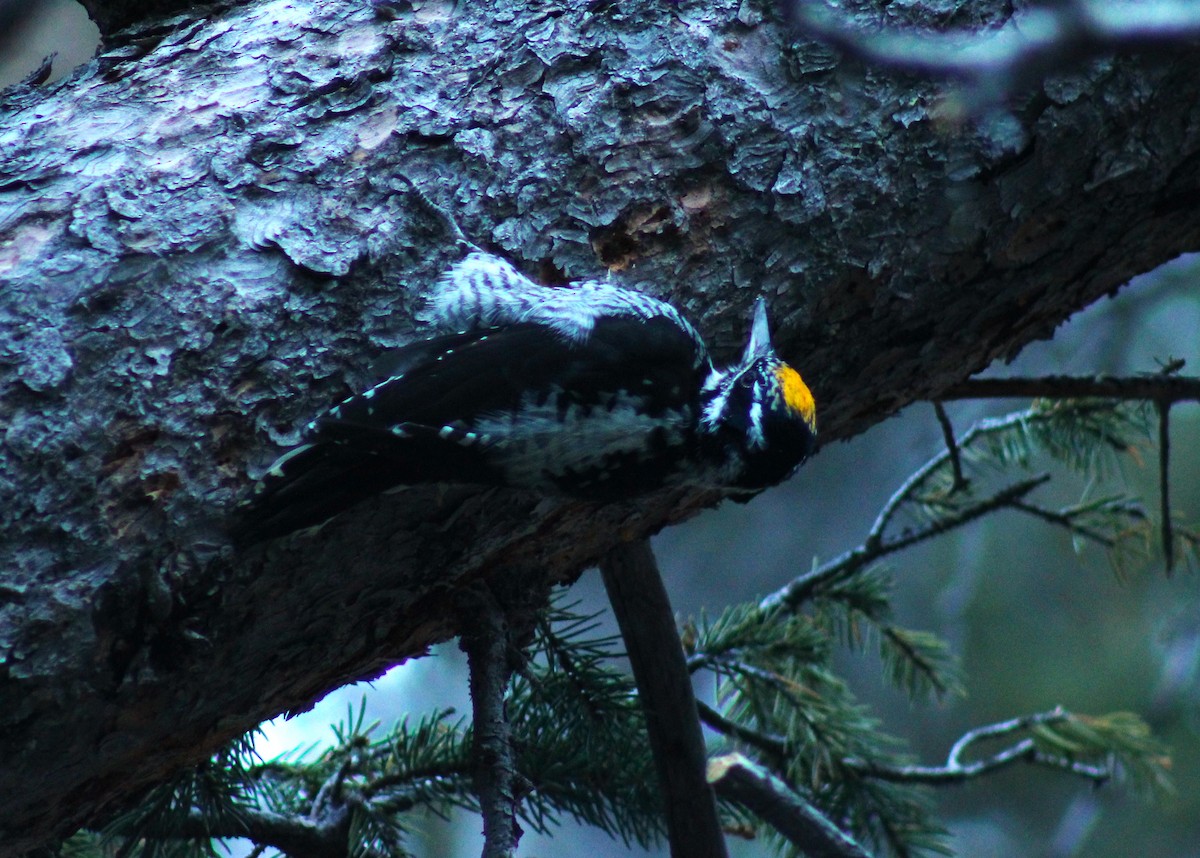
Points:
x=207, y=232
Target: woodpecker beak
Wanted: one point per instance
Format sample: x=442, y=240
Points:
x=759, y=344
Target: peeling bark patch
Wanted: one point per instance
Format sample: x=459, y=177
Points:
x=126, y=467
x=378, y=128
x=25, y=243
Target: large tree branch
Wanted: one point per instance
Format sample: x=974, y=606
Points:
x=205, y=233
x=740, y=780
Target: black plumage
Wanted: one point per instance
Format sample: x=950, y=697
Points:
x=594, y=392
x=484, y=407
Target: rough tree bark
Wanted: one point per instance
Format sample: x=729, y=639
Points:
x=205, y=232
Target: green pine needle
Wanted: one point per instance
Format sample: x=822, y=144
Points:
x=1122, y=737
x=919, y=662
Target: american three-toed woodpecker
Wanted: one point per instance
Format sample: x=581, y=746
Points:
x=591, y=391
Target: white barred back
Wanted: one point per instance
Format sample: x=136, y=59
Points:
x=484, y=291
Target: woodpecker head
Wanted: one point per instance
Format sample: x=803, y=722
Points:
x=760, y=412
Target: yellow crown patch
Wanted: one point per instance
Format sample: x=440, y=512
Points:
x=796, y=394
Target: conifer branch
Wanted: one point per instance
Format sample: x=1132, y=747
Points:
x=740, y=780
x=329, y=800
x=643, y=612
x=953, y=771
x=919, y=659
x=382, y=793
x=956, y=771
x=290, y=834
x=728, y=664
x=1159, y=387
x=1164, y=389
x=797, y=591
x=1164, y=484
x=1072, y=431
x=908, y=488
x=773, y=745
x=1002, y=728
x=1065, y=519
x=960, y=481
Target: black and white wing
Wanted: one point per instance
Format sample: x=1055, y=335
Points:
x=603, y=414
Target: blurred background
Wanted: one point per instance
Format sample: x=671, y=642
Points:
x=32, y=30
x=1035, y=623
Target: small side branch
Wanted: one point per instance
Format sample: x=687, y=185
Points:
x=1002, y=728
x=1066, y=521
x=775, y=746
x=798, y=590
x=330, y=802
x=1164, y=389
x=906, y=491
x=960, y=481
x=1159, y=388
x=291, y=835
x=738, y=779
x=1164, y=485
x=956, y=771
x=647, y=623
x=487, y=641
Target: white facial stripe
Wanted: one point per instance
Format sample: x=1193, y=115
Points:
x=755, y=432
x=714, y=409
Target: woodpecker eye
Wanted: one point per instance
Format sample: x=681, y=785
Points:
x=746, y=381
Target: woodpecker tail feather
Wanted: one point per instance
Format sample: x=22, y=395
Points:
x=316, y=481
x=307, y=487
